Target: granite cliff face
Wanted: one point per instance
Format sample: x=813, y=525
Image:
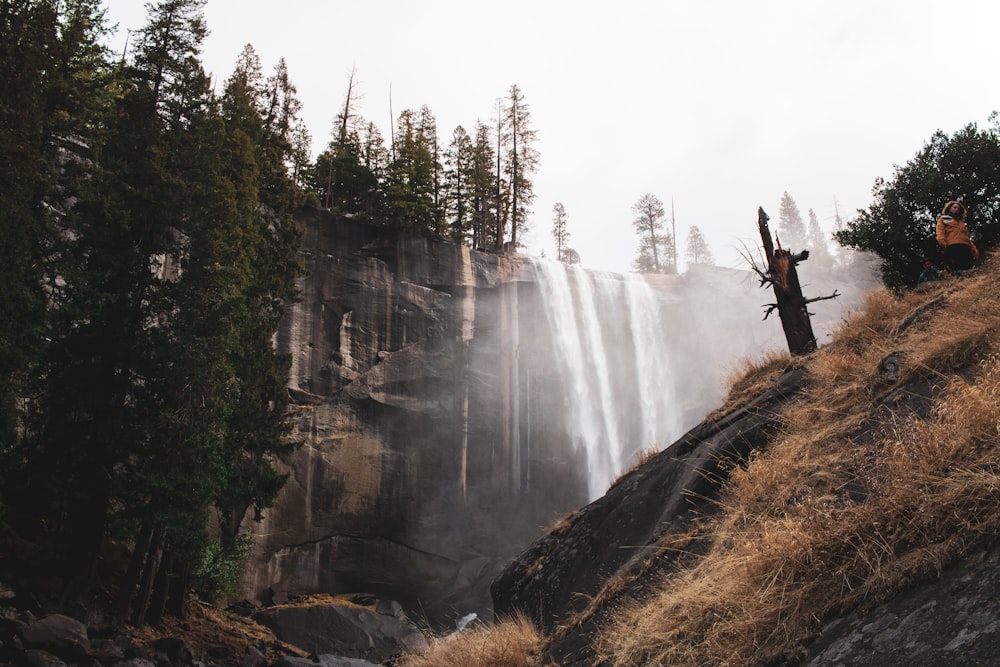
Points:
x=404, y=450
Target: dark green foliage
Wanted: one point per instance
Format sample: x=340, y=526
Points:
x=410, y=195
x=476, y=190
x=148, y=253
x=345, y=185
x=218, y=569
x=899, y=226
x=483, y=191
x=53, y=89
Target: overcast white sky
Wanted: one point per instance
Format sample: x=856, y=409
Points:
x=720, y=106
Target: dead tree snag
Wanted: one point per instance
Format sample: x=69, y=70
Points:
x=781, y=274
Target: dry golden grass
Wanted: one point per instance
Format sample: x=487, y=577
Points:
x=852, y=502
x=512, y=642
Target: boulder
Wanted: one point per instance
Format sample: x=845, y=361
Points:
x=343, y=630
x=57, y=634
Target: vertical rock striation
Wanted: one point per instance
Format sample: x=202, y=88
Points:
x=412, y=480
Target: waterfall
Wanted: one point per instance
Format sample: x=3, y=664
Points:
x=611, y=348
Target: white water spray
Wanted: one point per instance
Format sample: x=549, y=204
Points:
x=611, y=345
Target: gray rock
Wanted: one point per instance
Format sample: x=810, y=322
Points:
x=404, y=450
x=343, y=630
x=337, y=661
x=61, y=635
x=40, y=658
x=954, y=620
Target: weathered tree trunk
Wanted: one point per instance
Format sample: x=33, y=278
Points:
x=141, y=605
x=178, y=589
x=791, y=304
x=161, y=588
x=131, y=579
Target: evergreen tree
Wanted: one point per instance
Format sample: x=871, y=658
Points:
x=160, y=251
x=483, y=191
x=791, y=229
x=427, y=128
x=698, y=251
x=819, y=252
x=374, y=154
x=845, y=255
x=560, y=232
x=55, y=87
x=458, y=170
x=120, y=233
x=655, y=246
x=276, y=148
x=410, y=179
x=343, y=177
x=518, y=141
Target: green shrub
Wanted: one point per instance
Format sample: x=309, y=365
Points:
x=219, y=569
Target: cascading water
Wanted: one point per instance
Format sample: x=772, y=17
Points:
x=611, y=350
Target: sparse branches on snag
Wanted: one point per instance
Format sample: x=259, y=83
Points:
x=777, y=269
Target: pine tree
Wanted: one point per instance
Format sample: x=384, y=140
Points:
x=163, y=253
x=483, y=180
x=458, y=170
x=55, y=83
x=522, y=158
x=698, y=251
x=819, y=252
x=427, y=129
x=655, y=247
x=791, y=229
x=560, y=232
x=410, y=179
x=346, y=175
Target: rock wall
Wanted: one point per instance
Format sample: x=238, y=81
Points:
x=414, y=477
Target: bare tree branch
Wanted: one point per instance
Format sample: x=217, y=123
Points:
x=823, y=298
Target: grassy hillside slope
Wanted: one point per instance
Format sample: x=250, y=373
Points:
x=886, y=471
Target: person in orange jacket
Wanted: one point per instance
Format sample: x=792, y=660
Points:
x=953, y=235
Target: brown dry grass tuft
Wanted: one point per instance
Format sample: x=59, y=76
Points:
x=512, y=642
x=854, y=500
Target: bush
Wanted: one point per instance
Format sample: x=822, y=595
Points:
x=219, y=570
x=899, y=226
